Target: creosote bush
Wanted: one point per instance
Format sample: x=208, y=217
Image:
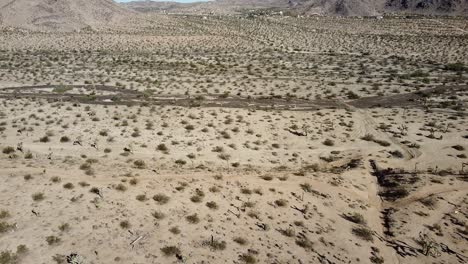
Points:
x=38, y=197
x=140, y=164
x=328, y=142
x=363, y=233
x=8, y=150
x=193, y=219
x=161, y=198
x=170, y=251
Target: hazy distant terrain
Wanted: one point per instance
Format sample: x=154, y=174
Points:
x=313, y=7
x=71, y=15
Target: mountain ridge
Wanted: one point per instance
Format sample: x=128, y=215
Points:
x=61, y=15
x=308, y=7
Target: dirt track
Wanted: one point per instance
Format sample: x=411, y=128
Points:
x=120, y=96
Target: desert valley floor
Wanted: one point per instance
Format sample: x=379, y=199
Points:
x=224, y=139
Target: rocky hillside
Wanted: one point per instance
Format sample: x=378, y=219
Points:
x=455, y=7
x=61, y=15
x=310, y=7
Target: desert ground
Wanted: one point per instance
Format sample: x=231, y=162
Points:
x=232, y=139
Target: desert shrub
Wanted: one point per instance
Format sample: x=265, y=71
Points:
x=95, y=190
x=224, y=156
x=162, y=147
x=4, y=214
x=298, y=223
x=8, y=257
x=363, y=233
x=5, y=227
x=140, y=164
x=21, y=249
x=328, y=142
x=44, y=139
x=124, y=224
x=356, y=218
x=382, y=143
x=193, y=219
x=428, y=201
x=352, y=95
x=240, y=240
x=133, y=181
x=419, y=74
x=196, y=198
x=161, y=198
x=267, y=177
x=8, y=150
x=215, y=244
x=68, y=185
x=212, y=205
x=214, y=189
x=281, y=202
x=289, y=232
x=368, y=137
x=64, y=139
x=64, y=227
x=248, y=204
x=180, y=162
x=121, y=187
x=92, y=161
x=397, y=154
x=456, y=67
x=306, y=187
x=158, y=215
x=218, y=149
x=245, y=190
x=55, y=179
x=248, y=258
x=83, y=184
x=174, y=230
x=38, y=196
x=394, y=194
x=141, y=197
x=377, y=259
x=304, y=242
x=136, y=133
x=28, y=155
x=170, y=251
x=85, y=166
x=52, y=240
x=458, y=147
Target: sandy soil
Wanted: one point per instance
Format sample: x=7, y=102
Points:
x=195, y=146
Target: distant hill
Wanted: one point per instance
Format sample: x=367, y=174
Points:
x=74, y=15
x=308, y=7
x=436, y=7
x=218, y=6
x=61, y=15
x=338, y=7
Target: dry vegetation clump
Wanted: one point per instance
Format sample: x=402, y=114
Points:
x=37, y=197
x=158, y=215
x=356, y=218
x=193, y=219
x=363, y=233
x=8, y=150
x=161, y=198
x=171, y=251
